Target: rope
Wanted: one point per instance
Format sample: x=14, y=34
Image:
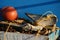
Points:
x=6, y=32
x=48, y=12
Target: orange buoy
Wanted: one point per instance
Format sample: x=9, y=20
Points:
x=9, y=13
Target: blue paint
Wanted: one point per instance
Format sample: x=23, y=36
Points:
x=54, y=35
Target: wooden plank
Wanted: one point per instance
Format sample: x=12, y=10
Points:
x=21, y=36
x=12, y=24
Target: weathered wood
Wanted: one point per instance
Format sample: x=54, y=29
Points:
x=12, y=24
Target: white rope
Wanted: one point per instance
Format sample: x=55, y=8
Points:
x=50, y=12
